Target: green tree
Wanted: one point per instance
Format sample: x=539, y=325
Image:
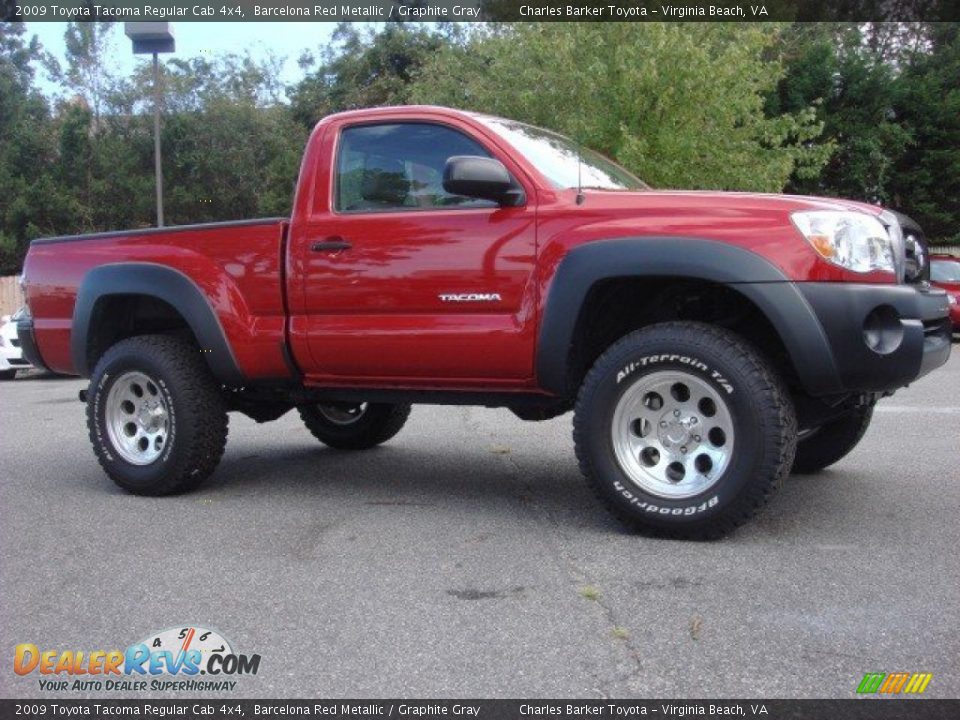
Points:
x=889, y=97
x=926, y=179
x=850, y=75
x=31, y=202
x=104, y=159
x=682, y=105
x=231, y=148
x=363, y=68
x=87, y=73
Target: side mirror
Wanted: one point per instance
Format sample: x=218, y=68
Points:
x=481, y=177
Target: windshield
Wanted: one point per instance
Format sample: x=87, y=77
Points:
x=555, y=156
x=947, y=271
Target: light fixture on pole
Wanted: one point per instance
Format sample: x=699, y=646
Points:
x=153, y=38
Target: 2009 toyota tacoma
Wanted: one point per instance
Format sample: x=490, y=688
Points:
x=707, y=342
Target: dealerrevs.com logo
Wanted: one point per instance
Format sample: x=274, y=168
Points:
x=183, y=658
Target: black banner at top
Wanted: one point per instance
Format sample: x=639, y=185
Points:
x=481, y=10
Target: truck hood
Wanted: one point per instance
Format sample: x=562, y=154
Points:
x=719, y=200
x=758, y=222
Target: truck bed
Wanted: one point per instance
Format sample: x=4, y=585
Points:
x=237, y=265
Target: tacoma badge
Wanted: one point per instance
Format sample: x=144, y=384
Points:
x=470, y=297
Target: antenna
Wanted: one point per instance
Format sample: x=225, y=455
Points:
x=580, y=197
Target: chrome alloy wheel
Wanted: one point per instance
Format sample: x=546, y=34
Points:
x=137, y=418
x=672, y=434
x=342, y=413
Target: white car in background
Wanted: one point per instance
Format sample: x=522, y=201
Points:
x=11, y=355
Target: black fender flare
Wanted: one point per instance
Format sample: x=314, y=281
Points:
x=759, y=280
x=166, y=284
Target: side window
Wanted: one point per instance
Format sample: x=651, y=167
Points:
x=400, y=167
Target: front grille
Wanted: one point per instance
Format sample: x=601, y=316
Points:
x=911, y=252
x=917, y=267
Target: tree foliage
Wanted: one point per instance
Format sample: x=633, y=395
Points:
x=83, y=160
x=680, y=105
x=889, y=97
x=363, y=68
x=28, y=200
x=839, y=69
x=926, y=177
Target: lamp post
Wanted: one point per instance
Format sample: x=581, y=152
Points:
x=153, y=38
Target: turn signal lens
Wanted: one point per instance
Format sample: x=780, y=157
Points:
x=822, y=244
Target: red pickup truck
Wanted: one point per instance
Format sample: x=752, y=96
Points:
x=708, y=342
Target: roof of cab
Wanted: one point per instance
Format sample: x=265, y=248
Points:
x=396, y=110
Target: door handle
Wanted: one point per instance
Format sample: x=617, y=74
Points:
x=331, y=244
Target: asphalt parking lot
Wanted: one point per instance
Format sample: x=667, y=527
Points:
x=466, y=558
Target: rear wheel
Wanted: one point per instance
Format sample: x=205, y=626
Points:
x=823, y=446
x=354, y=426
x=155, y=415
x=683, y=429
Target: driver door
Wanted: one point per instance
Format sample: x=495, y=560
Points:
x=406, y=284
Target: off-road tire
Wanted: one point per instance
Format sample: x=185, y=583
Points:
x=378, y=423
x=196, y=412
x=832, y=441
x=759, y=408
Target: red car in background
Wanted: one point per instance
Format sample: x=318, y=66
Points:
x=945, y=273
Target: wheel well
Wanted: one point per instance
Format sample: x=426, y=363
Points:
x=118, y=317
x=618, y=306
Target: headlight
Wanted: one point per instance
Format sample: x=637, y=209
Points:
x=852, y=240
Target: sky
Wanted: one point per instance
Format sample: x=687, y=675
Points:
x=287, y=39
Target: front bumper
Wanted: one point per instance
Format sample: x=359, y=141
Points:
x=28, y=342
x=881, y=337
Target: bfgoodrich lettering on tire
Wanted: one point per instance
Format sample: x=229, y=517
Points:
x=684, y=429
x=156, y=418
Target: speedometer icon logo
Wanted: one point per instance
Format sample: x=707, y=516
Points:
x=180, y=641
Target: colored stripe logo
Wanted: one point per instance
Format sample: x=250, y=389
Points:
x=894, y=683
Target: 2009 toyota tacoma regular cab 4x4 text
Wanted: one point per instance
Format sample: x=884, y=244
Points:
x=707, y=342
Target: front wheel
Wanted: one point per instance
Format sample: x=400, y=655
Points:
x=8, y=374
x=683, y=429
x=832, y=441
x=354, y=426
x=156, y=418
